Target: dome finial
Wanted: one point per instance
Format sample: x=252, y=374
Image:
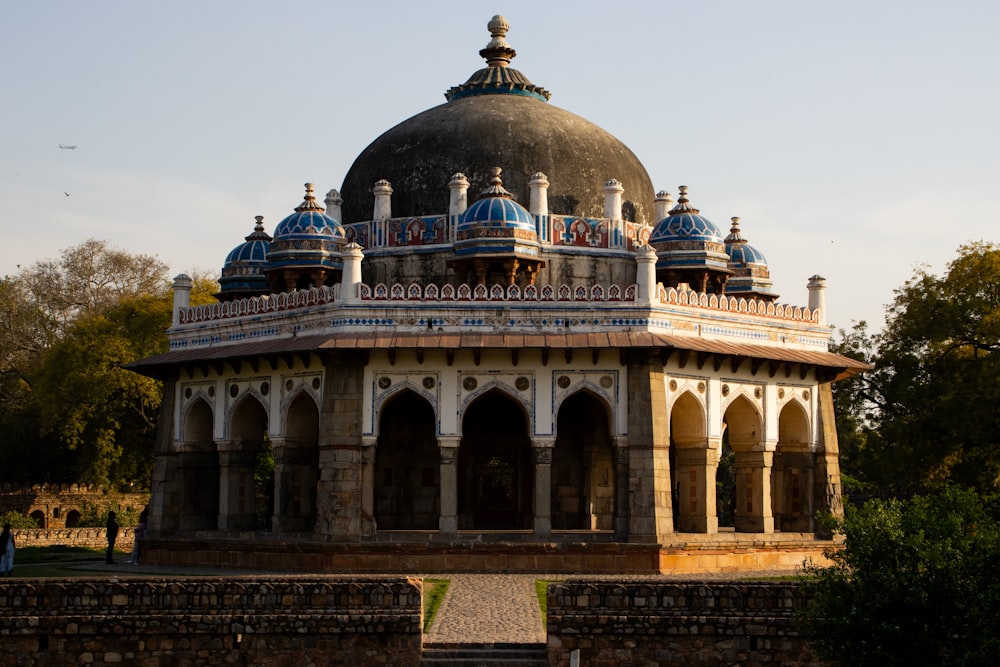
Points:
x=734, y=232
x=683, y=205
x=309, y=201
x=498, y=53
x=496, y=188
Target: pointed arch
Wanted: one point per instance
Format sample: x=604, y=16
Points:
x=246, y=480
x=407, y=479
x=752, y=505
x=693, y=467
x=296, y=466
x=495, y=476
x=583, y=464
x=793, y=475
x=198, y=469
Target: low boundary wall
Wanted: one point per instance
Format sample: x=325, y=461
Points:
x=281, y=620
x=611, y=623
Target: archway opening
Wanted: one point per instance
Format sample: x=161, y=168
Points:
x=792, y=479
x=198, y=464
x=247, y=471
x=296, y=466
x=583, y=473
x=495, y=476
x=407, y=482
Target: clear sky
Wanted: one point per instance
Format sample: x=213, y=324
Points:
x=855, y=139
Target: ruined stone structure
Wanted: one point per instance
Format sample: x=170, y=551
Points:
x=672, y=624
x=211, y=621
x=497, y=334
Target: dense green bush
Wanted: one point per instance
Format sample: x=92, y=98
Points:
x=915, y=584
x=17, y=520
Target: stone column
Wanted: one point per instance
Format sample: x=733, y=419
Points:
x=753, y=492
x=182, y=295
x=236, y=490
x=458, y=202
x=621, y=488
x=695, y=476
x=339, y=511
x=368, y=485
x=165, y=506
x=542, y=451
x=448, y=521
x=650, y=506
x=662, y=205
x=827, y=489
x=334, y=203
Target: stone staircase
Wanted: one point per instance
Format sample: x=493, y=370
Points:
x=492, y=654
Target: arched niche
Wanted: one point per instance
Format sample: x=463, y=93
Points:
x=198, y=469
x=793, y=474
x=750, y=500
x=407, y=479
x=583, y=465
x=246, y=498
x=495, y=474
x=296, y=466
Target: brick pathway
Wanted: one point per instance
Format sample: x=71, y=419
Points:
x=488, y=608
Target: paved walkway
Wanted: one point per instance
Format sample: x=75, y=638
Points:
x=485, y=608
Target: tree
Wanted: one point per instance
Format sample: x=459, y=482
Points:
x=915, y=584
x=928, y=413
x=68, y=410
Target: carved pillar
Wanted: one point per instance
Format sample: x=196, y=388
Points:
x=621, y=488
x=236, y=490
x=448, y=521
x=368, y=486
x=827, y=489
x=339, y=489
x=165, y=501
x=542, y=450
x=650, y=503
x=753, y=492
x=696, y=511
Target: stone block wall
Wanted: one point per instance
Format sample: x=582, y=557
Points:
x=95, y=538
x=287, y=620
x=653, y=623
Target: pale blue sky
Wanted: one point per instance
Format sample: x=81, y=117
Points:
x=854, y=139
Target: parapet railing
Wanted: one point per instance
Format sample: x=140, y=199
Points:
x=429, y=294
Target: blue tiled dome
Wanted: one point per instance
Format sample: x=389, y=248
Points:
x=685, y=224
x=243, y=270
x=740, y=252
x=751, y=277
x=496, y=212
x=307, y=237
x=497, y=215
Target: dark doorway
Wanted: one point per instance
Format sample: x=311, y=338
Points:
x=495, y=477
x=407, y=465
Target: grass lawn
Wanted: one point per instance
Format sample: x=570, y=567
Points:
x=60, y=561
x=434, y=592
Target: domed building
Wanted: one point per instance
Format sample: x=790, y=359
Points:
x=495, y=345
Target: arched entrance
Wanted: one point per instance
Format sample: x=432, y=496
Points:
x=246, y=479
x=495, y=477
x=407, y=482
x=745, y=434
x=199, y=470
x=792, y=481
x=296, y=464
x=583, y=467
x=693, y=467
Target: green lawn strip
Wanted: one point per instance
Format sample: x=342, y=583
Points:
x=434, y=592
x=541, y=592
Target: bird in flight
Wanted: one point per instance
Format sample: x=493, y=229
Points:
x=65, y=147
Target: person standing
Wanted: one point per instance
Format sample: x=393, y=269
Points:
x=6, y=552
x=137, y=534
x=112, y=532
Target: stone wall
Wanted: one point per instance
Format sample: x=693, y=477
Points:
x=60, y=506
x=95, y=538
x=653, y=623
x=211, y=621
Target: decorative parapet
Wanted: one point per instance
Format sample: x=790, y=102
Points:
x=497, y=293
x=743, y=306
x=431, y=294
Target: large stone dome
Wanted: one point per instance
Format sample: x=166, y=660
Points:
x=497, y=118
